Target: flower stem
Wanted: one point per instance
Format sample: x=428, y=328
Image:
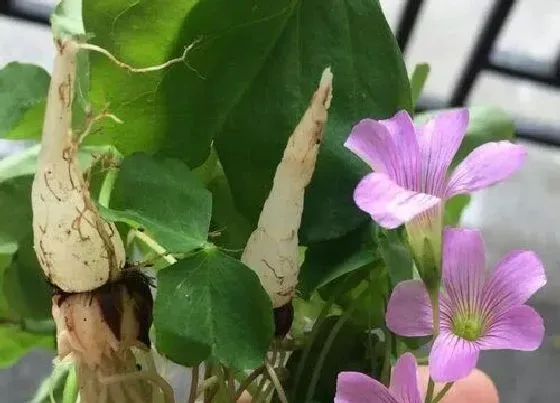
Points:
x=327, y=345
x=442, y=392
x=430, y=391
x=386, y=371
x=248, y=381
x=195, y=373
x=434, y=296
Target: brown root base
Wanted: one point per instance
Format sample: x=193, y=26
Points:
x=109, y=297
x=99, y=329
x=283, y=318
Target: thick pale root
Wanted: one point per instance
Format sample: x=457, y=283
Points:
x=76, y=248
x=272, y=249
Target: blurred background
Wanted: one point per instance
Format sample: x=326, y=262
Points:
x=498, y=52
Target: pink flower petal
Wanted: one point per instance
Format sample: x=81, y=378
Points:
x=388, y=203
x=516, y=277
x=372, y=142
x=404, y=383
x=463, y=266
x=439, y=141
x=486, y=165
x=389, y=146
x=452, y=358
x=355, y=387
x=409, y=312
x=519, y=328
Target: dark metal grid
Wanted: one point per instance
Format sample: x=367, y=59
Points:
x=482, y=58
x=18, y=9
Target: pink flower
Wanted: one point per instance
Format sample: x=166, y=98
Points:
x=410, y=181
x=478, y=310
x=355, y=387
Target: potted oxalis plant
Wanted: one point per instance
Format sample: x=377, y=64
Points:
x=241, y=188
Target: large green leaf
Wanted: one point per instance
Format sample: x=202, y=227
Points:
x=212, y=305
x=369, y=80
x=25, y=288
x=180, y=109
x=164, y=198
x=15, y=342
x=256, y=68
x=22, y=87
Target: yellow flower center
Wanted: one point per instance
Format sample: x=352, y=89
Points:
x=468, y=326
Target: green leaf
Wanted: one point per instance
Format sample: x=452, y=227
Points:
x=25, y=288
x=212, y=305
x=369, y=80
x=22, y=87
x=396, y=255
x=15, y=343
x=418, y=79
x=163, y=197
x=485, y=124
x=232, y=228
x=330, y=260
x=454, y=208
x=6, y=253
x=177, y=110
x=371, y=311
x=15, y=209
x=239, y=92
x=347, y=353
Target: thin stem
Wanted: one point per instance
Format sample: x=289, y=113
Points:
x=107, y=187
x=277, y=385
x=156, y=247
x=328, y=343
x=149, y=376
x=70, y=392
x=195, y=374
x=307, y=348
x=430, y=391
x=261, y=387
x=442, y=392
x=370, y=326
x=206, y=384
x=228, y=380
x=248, y=381
x=386, y=371
x=434, y=296
x=266, y=393
x=207, y=388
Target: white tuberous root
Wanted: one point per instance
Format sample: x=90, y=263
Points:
x=272, y=249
